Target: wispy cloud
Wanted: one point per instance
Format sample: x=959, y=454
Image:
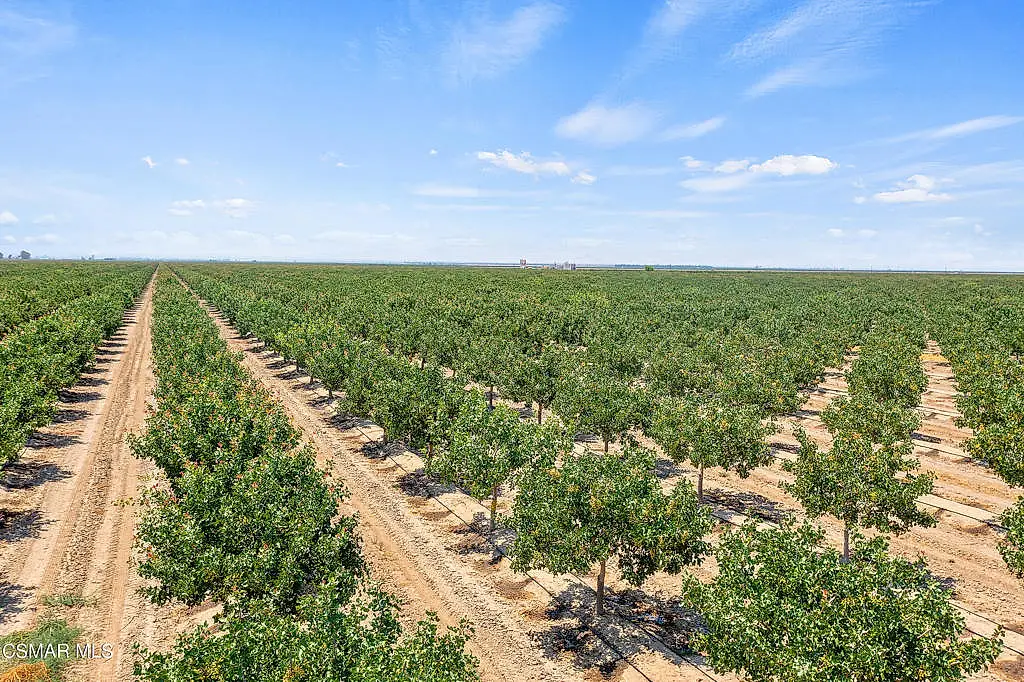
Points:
x=486, y=47
x=148, y=160
x=821, y=42
x=609, y=126
x=584, y=178
x=8, y=218
x=914, y=190
x=26, y=39
x=693, y=130
x=665, y=27
x=964, y=128
x=235, y=208
x=524, y=163
x=181, y=161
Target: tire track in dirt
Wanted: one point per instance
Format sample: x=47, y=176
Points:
x=78, y=549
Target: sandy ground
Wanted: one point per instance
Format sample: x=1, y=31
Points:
x=66, y=544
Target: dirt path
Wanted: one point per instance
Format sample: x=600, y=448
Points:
x=67, y=550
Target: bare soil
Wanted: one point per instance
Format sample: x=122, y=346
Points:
x=66, y=539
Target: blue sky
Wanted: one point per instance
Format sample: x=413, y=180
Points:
x=850, y=133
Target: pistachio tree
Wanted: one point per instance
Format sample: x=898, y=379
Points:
x=712, y=434
x=785, y=607
x=486, y=447
x=864, y=484
x=596, y=401
x=591, y=508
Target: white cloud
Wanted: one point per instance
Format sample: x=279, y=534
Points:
x=189, y=203
x=46, y=219
x=148, y=160
x=787, y=164
x=915, y=189
x=975, y=125
x=523, y=163
x=489, y=48
x=732, y=166
x=235, y=208
x=185, y=207
x=342, y=164
x=584, y=178
x=693, y=130
x=736, y=173
x=432, y=152
x=860, y=200
x=8, y=218
x=835, y=232
x=284, y=239
x=867, y=234
x=181, y=161
x=608, y=126
x=9, y=239
x=691, y=162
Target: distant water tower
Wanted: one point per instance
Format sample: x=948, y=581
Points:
x=522, y=262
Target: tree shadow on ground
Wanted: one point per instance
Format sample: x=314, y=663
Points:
x=421, y=484
x=345, y=422
x=20, y=525
x=45, y=441
x=377, y=450
x=12, y=599
x=666, y=468
x=751, y=504
x=68, y=416
x=600, y=644
x=72, y=397
x=23, y=475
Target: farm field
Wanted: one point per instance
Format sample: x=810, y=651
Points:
x=607, y=475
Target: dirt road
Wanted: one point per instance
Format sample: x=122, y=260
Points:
x=66, y=548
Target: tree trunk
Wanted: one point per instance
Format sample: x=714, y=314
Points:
x=423, y=361
x=700, y=483
x=846, y=544
x=430, y=452
x=494, y=505
x=540, y=413
x=606, y=446
x=600, y=589
x=310, y=379
x=330, y=394
x=490, y=398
